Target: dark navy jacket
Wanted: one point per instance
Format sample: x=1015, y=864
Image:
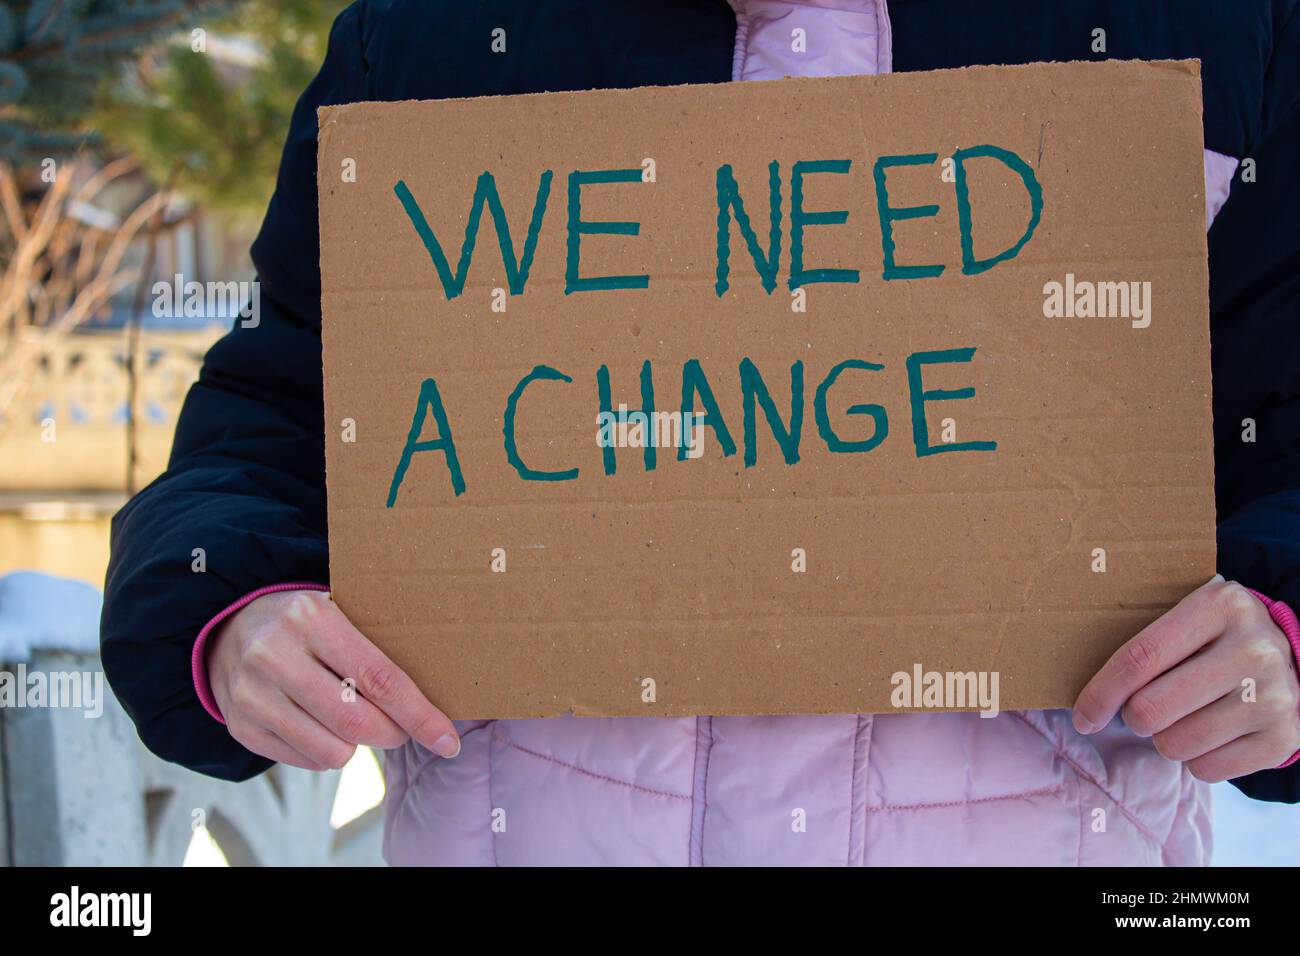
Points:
x=246, y=478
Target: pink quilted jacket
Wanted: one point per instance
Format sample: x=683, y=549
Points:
x=899, y=789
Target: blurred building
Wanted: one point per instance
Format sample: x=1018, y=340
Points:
x=65, y=454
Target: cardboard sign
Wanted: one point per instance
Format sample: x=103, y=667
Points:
x=768, y=397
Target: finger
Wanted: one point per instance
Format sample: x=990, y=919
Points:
x=1245, y=755
x=1185, y=689
x=347, y=652
x=303, y=732
x=348, y=716
x=268, y=745
x=1208, y=729
x=1177, y=634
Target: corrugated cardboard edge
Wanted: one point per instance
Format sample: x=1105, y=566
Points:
x=327, y=116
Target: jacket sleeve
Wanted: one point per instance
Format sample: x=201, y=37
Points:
x=1260, y=546
x=242, y=502
x=1255, y=305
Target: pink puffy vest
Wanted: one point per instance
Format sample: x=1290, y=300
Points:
x=897, y=789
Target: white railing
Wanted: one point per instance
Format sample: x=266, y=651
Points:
x=81, y=790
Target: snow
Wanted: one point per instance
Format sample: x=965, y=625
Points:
x=42, y=611
x=1250, y=833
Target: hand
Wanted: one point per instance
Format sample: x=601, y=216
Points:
x=277, y=671
x=1182, y=681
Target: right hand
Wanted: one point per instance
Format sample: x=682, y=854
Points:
x=277, y=669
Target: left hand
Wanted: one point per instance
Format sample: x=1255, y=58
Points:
x=1182, y=681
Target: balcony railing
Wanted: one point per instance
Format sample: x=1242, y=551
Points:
x=67, y=432
x=80, y=790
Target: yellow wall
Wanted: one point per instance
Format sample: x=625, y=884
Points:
x=76, y=548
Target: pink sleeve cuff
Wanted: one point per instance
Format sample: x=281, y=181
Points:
x=1286, y=621
x=198, y=657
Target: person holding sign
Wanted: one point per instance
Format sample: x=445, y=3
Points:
x=228, y=670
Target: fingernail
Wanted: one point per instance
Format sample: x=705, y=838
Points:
x=448, y=746
x=1083, y=726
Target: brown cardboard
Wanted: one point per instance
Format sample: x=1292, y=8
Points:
x=956, y=561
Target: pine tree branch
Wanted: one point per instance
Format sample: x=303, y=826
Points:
x=142, y=28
